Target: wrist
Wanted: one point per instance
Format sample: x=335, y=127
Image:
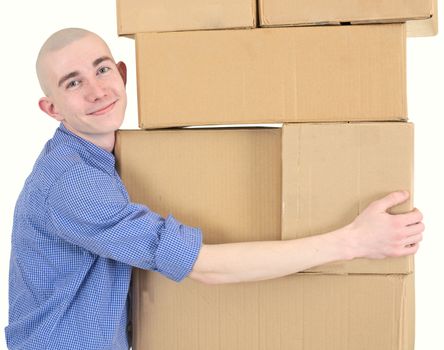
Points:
x=348, y=243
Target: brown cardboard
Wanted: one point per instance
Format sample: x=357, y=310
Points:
x=310, y=312
x=135, y=16
x=331, y=172
x=425, y=27
x=229, y=182
x=278, y=13
x=273, y=75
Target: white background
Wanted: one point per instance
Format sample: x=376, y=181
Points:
x=24, y=130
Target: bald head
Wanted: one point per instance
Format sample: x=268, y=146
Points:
x=55, y=42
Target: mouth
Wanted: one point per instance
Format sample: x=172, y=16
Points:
x=103, y=110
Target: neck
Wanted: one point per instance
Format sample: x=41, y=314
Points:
x=105, y=141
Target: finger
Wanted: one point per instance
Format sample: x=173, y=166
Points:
x=412, y=240
x=412, y=249
x=391, y=200
x=410, y=218
x=414, y=229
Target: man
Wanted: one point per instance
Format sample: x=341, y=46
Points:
x=76, y=233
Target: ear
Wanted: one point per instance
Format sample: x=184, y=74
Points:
x=121, y=66
x=48, y=107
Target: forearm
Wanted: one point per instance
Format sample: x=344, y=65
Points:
x=254, y=261
x=374, y=234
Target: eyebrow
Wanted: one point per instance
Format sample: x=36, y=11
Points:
x=76, y=73
x=100, y=60
x=68, y=76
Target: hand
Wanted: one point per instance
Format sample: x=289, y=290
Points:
x=376, y=234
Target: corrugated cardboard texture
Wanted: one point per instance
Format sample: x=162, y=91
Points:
x=331, y=172
x=329, y=73
x=135, y=16
x=310, y=312
x=280, y=13
x=229, y=182
x=425, y=27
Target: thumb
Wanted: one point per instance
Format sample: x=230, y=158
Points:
x=391, y=200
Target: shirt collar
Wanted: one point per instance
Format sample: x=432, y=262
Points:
x=103, y=157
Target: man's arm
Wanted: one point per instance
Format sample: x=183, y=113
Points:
x=374, y=234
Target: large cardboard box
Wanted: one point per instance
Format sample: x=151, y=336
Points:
x=310, y=312
x=278, y=13
x=229, y=182
x=135, y=16
x=272, y=75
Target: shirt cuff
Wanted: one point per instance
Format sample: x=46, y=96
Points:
x=178, y=248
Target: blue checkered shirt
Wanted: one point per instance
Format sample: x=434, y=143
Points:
x=76, y=237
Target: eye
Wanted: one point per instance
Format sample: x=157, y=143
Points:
x=103, y=70
x=73, y=84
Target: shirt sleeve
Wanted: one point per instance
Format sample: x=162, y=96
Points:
x=89, y=208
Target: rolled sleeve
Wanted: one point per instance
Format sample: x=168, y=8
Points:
x=178, y=249
x=89, y=208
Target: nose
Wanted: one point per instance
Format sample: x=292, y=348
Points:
x=96, y=90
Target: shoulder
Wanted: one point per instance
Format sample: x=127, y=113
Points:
x=81, y=183
x=54, y=163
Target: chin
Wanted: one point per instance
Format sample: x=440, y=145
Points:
x=112, y=123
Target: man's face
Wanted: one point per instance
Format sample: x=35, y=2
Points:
x=86, y=89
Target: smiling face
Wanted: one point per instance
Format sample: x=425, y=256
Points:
x=85, y=89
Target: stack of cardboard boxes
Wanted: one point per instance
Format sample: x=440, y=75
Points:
x=340, y=92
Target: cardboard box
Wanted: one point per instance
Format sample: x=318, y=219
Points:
x=310, y=312
x=269, y=183
x=331, y=172
x=275, y=75
x=425, y=27
x=278, y=13
x=135, y=16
